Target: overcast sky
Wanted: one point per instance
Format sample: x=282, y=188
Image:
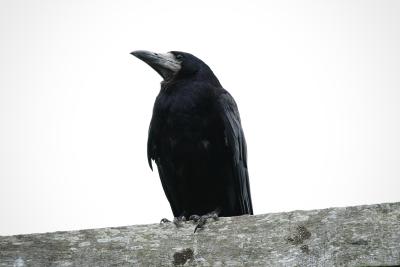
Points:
x=317, y=84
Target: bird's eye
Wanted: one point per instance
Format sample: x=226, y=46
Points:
x=178, y=56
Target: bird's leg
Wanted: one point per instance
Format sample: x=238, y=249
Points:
x=178, y=220
x=202, y=220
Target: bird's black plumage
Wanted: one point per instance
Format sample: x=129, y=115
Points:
x=196, y=139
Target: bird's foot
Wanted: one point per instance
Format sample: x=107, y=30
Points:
x=202, y=220
x=178, y=221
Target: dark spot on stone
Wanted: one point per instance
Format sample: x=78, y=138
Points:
x=301, y=233
x=360, y=242
x=181, y=257
x=305, y=249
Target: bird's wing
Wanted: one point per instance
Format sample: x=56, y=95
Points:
x=165, y=168
x=151, y=146
x=234, y=138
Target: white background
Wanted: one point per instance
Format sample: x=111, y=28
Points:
x=317, y=84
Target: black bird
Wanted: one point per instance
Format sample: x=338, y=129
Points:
x=196, y=140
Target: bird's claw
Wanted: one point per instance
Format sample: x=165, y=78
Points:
x=164, y=220
x=178, y=221
x=194, y=218
x=202, y=220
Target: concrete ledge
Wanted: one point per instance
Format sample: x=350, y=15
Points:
x=353, y=236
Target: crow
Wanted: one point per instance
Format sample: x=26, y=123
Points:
x=197, y=141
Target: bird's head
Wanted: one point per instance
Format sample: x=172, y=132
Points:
x=176, y=65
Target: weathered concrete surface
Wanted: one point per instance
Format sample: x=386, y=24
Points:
x=352, y=236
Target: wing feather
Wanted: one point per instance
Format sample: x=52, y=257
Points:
x=237, y=145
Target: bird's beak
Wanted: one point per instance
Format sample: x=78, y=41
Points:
x=165, y=64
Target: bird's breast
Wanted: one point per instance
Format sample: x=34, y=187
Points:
x=187, y=123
